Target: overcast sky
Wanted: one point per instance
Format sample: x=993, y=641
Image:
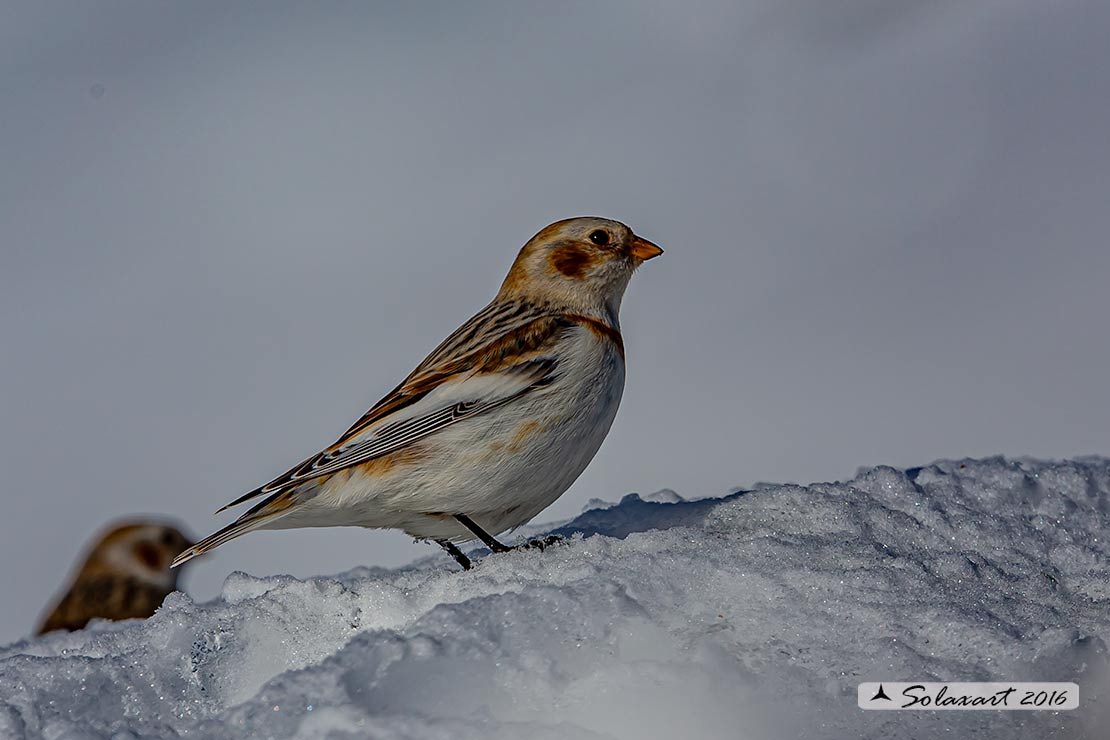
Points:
x=227, y=229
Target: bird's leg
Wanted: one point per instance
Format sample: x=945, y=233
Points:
x=486, y=538
x=495, y=546
x=456, y=553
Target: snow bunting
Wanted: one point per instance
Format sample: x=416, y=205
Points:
x=125, y=575
x=495, y=424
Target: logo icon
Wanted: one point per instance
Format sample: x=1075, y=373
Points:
x=880, y=694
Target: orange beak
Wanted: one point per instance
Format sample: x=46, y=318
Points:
x=642, y=249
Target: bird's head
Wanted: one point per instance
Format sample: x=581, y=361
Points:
x=140, y=550
x=582, y=264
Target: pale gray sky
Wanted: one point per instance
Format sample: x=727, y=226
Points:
x=226, y=229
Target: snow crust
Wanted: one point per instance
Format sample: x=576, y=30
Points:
x=749, y=616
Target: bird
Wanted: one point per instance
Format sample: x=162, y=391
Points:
x=126, y=575
x=495, y=424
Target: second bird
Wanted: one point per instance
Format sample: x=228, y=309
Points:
x=495, y=424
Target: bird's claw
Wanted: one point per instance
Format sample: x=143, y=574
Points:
x=540, y=543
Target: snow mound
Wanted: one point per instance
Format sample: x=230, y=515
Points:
x=749, y=616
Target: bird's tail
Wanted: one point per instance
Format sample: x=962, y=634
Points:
x=273, y=508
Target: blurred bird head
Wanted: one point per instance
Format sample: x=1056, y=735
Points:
x=140, y=550
x=581, y=263
x=125, y=575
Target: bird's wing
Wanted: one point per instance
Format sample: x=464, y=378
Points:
x=504, y=352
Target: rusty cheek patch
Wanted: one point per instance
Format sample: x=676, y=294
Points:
x=148, y=555
x=572, y=261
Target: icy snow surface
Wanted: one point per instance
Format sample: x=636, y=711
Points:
x=749, y=616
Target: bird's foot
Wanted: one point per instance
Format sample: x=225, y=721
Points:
x=494, y=545
x=541, y=543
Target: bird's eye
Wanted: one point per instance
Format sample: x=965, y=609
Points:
x=599, y=237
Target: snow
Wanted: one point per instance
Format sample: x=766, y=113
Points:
x=749, y=616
